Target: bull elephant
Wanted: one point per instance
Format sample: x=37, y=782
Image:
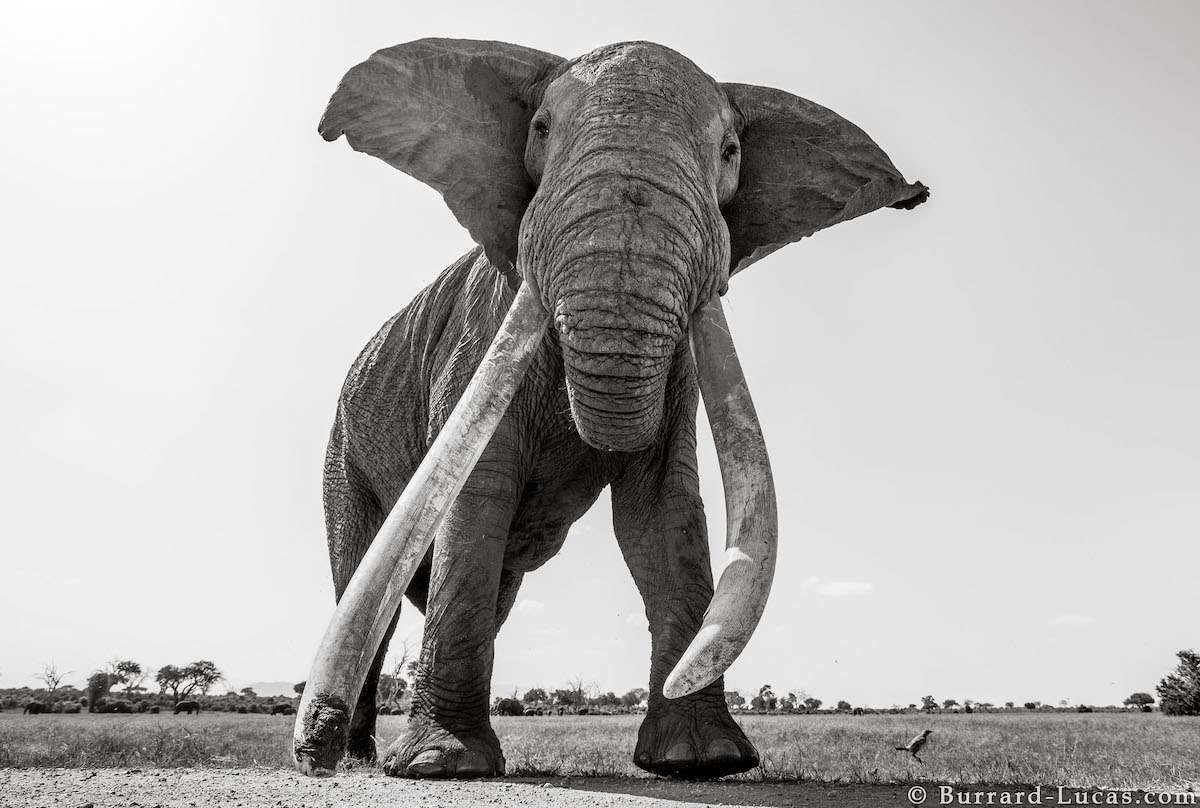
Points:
x=35, y=708
x=611, y=197
x=188, y=707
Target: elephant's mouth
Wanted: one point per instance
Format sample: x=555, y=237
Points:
x=363, y=614
x=616, y=388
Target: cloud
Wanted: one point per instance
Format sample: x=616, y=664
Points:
x=837, y=589
x=1073, y=620
x=529, y=607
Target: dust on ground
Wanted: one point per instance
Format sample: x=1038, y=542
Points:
x=262, y=788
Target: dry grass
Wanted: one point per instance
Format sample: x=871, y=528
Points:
x=1097, y=750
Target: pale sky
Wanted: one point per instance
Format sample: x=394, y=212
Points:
x=982, y=414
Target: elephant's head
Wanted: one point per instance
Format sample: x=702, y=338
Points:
x=625, y=185
x=621, y=190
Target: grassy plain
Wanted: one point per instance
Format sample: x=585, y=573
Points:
x=1099, y=750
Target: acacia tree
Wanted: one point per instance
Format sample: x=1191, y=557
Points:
x=812, y=704
x=535, y=695
x=51, y=677
x=170, y=677
x=1139, y=700
x=200, y=676
x=127, y=672
x=1179, y=692
x=928, y=704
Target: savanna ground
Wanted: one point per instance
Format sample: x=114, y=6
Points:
x=806, y=760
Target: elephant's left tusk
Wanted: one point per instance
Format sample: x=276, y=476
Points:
x=752, y=523
x=365, y=610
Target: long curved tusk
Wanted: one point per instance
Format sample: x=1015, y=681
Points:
x=752, y=522
x=362, y=616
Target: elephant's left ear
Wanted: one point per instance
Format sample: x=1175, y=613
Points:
x=454, y=113
x=803, y=169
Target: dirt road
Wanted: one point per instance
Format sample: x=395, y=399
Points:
x=248, y=788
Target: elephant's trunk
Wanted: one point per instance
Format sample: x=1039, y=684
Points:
x=752, y=524
x=617, y=349
x=371, y=599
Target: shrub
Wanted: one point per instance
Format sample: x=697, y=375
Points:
x=1179, y=692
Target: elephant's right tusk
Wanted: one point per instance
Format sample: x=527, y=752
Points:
x=752, y=523
x=361, y=619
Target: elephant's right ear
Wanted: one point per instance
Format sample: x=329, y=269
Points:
x=454, y=113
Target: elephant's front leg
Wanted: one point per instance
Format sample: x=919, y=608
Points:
x=448, y=732
x=659, y=521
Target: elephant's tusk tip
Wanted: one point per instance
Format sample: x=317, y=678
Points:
x=682, y=682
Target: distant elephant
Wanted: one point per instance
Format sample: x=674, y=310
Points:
x=188, y=707
x=612, y=197
x=281, y=709
x=153, y=710
x=119, y=707
x=35, y=708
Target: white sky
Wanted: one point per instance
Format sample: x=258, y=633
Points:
x=982, y=414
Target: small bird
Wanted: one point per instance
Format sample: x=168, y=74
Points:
x=916, y=744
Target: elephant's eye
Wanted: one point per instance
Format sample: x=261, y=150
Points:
x=541, y=127
x=729, y=152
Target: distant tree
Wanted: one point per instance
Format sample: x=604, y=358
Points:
x=199, y=676
x=1139, y=700
x=299, y=687
x=390, y=689
x=843, y=706
x=1032, y=705
x=170, y=677
x=928, y=704
x=949, y=704
x=581, y=689
x=767, y=699
x=634, y=697
x=1179, y=692
x=608, y=699
x=127, y=672
x=1008, y=705
x=565, y=697
x=249, y=693
x=789, y=703
x=98, y=685
x=535, y=695
x=202, y=675
x=812, y=704
x=51, y=676
x=734, y=699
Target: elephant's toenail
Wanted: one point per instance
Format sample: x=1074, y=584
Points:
x=679, y=753
x=722, y=749
x=429, y=763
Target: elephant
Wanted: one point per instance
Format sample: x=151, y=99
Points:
x=119, y=707
x=35, y=708
x=611, y=198
x=188, y=707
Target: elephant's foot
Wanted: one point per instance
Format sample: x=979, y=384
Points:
x=692, y=738
x=427, y=749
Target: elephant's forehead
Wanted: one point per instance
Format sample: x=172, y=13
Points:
x=633, y=60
